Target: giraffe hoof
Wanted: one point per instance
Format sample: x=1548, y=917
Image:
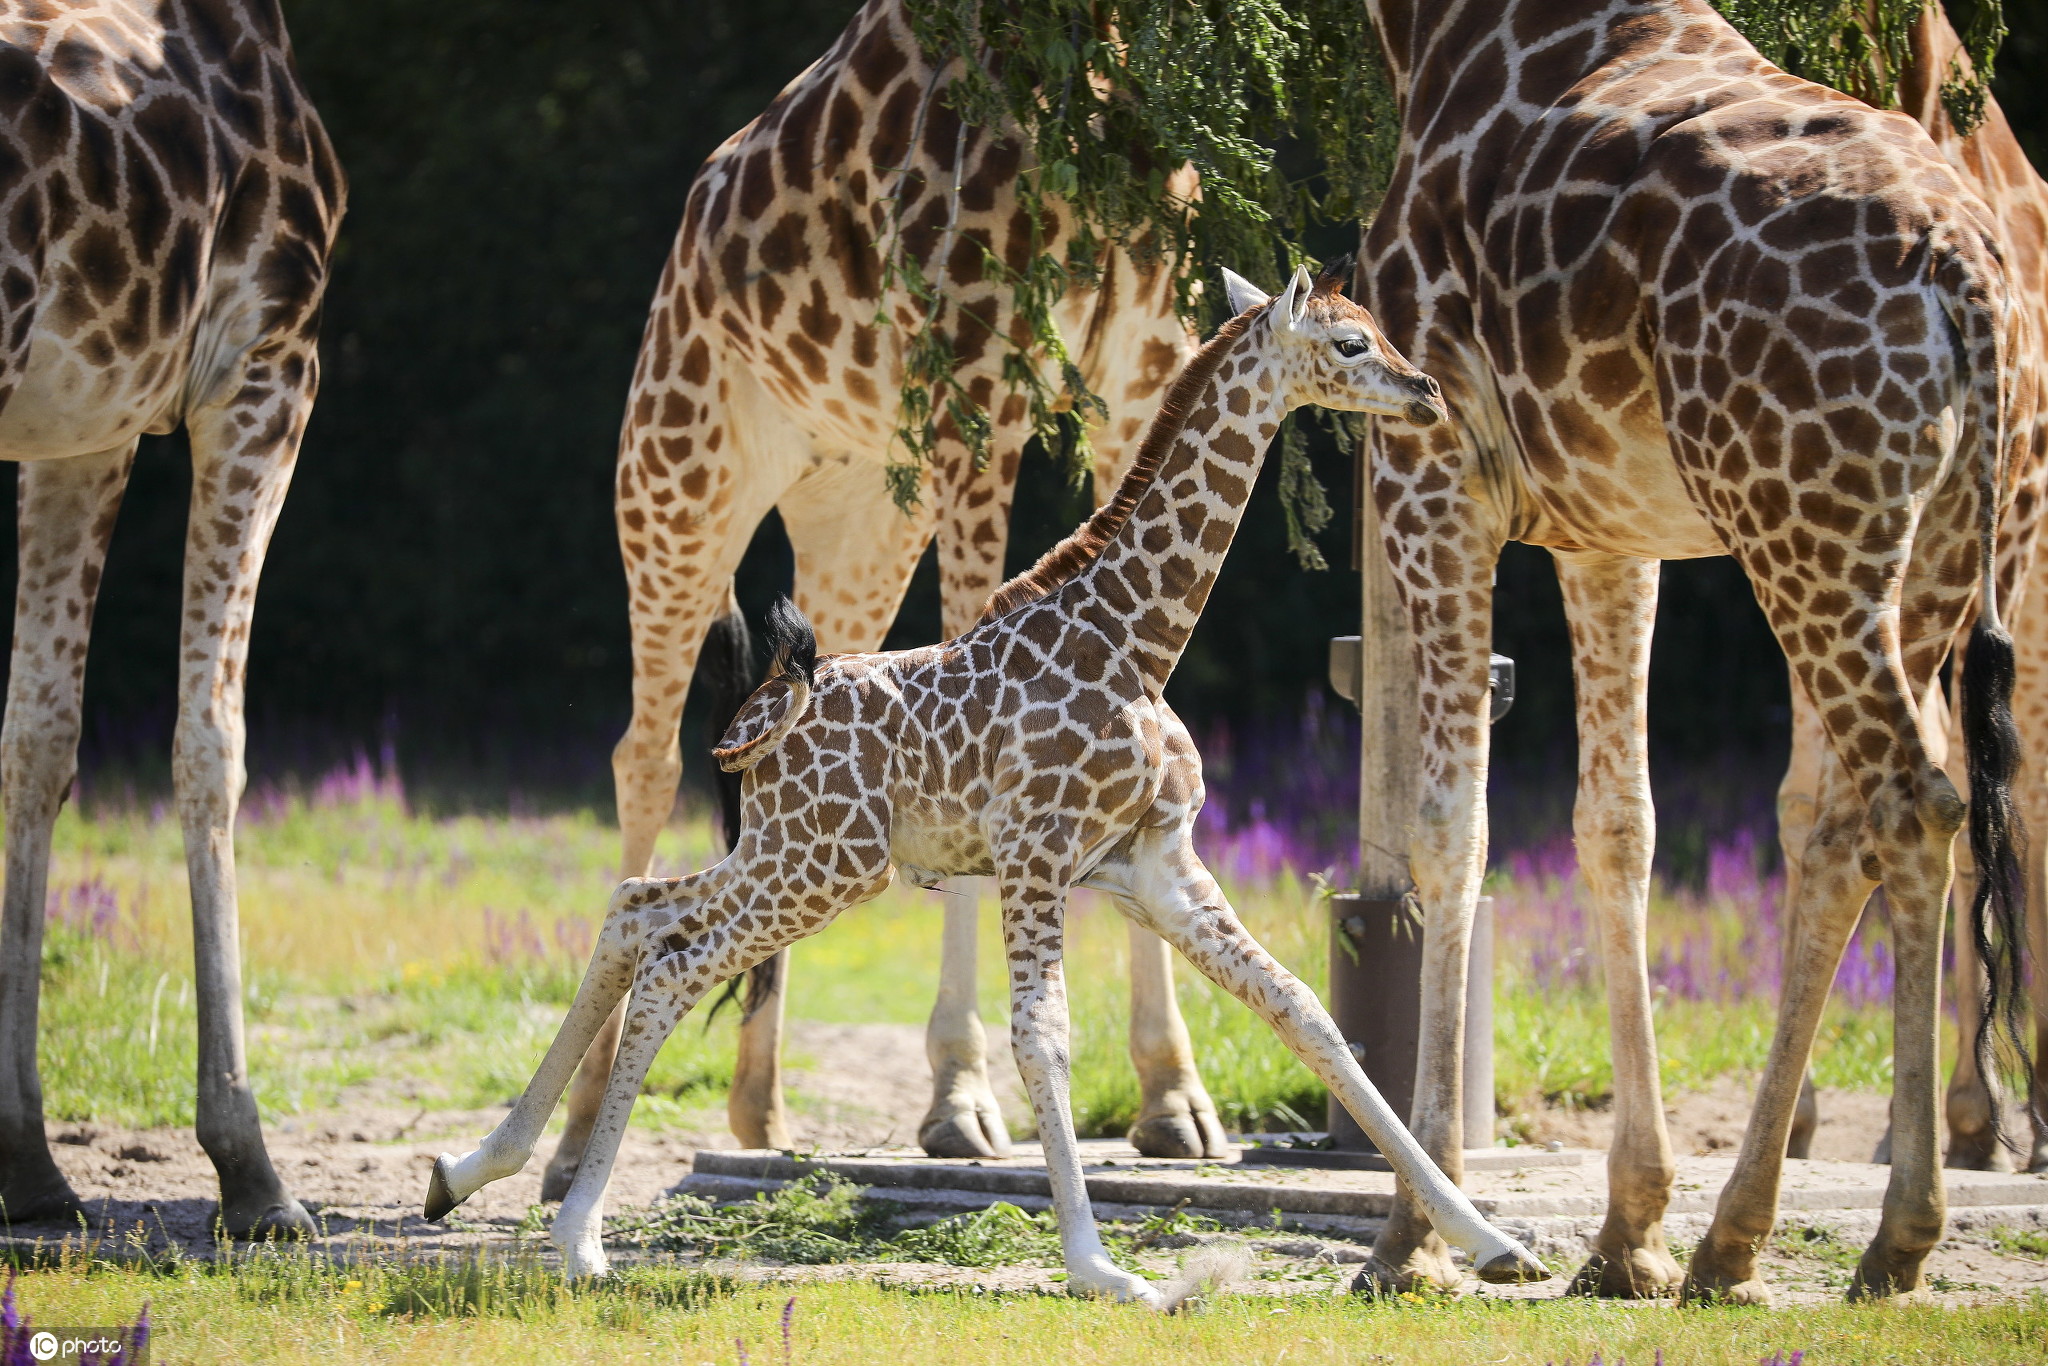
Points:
x=1517, y=1266
x=1420, y=1274
x=1752, y=1292
x=440, y=1195
x=1640, y=1274
x=1977, y=1152
x=1888, y=1276
x=55, y=1204
x=1181, y=1134
x=559, y=1176
x=284, y=1221
x=963, y=1134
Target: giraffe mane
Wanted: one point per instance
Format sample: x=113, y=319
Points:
x=1065, y=562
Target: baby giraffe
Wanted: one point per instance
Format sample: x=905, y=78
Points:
x=1035, y=749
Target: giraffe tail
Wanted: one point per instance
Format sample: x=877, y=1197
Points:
x=728, y=670
x=795, y=648
x=1991, y=741
x=730, y=677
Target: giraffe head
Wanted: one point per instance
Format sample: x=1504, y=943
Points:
x=1332, y=353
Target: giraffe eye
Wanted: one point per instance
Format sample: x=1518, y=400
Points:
x=1351, y=347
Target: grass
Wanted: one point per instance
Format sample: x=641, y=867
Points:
x=289, y=1307
x=432, y=956
x=2023, y=1242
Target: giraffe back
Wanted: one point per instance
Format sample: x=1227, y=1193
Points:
x=1625, y=237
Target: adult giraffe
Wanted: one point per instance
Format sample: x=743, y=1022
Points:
x=1994, y=164
x=171, y=200
x=767, y=380
x=1685, y=304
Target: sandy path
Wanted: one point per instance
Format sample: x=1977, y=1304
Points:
x=363, y=1169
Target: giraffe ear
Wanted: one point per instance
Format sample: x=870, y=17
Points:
x=1293, y=304
x=1244, y=296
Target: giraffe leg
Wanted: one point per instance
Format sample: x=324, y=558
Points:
x=1797, y=798
x=1974, y=1143
x=67, y=510
x=508, y=1146
x=1970, y=1105
x=854, y=556
x=1889, y=815
x=671, y=941
x=2037, y=933
x=243, y=451
x=1135, y=345
x=1161, y=882
x=1176, y=1118
x=1034, y=929
x=1447, y=860
x=693, y=934
x=964, y=1118
x=1611, y=602
x=2026, y=613
x=578, y=1230
x=1832, y=891
x=689, y=496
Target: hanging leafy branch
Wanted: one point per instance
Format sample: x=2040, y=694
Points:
x=1112, y=97
x=1861, y=48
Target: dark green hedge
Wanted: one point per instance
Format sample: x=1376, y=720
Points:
x=446, y=563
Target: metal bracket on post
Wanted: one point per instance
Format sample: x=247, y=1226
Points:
x=1346, y=654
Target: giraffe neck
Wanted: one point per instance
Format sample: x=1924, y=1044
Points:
x=1154, y=575
x=1415, y=34
x=1453, y=60
x=1934, y=46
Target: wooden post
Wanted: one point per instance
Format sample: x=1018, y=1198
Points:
x=1389, y=713
x=1375, y=942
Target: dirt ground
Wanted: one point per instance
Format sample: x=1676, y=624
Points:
x=363, y=1169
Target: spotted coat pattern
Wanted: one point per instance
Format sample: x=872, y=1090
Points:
x=768, y=378
x=1684, y=304
x=1035, y=748
x=1993, y=163
x=168, y=202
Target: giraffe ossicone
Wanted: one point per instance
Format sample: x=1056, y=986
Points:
x=1036, y=748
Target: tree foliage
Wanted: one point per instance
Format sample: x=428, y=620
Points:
x=1111, y=96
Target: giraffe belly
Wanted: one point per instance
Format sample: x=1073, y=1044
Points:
x=67, y=405
x=1617, y=488
x=929, y=846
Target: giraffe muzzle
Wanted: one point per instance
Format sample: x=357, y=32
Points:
x=1426, y=414
x=1427, y=408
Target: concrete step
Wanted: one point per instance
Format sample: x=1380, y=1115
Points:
x=1542, y=1185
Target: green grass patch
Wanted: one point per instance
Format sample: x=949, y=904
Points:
x=432, y=958
x=2025, y=1242
x=385, y=1308
x=822, y=1218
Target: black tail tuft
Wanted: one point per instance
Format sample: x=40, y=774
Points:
x=726, y=668
x=1991, y=745
x=791, y=642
